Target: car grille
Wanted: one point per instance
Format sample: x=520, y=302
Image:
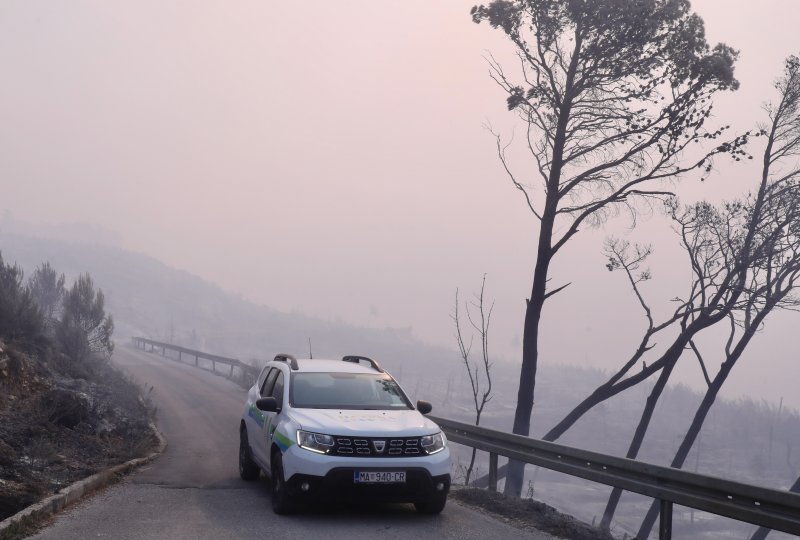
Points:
x=377, y=447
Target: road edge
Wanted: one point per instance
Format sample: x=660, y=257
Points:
x=77, y=491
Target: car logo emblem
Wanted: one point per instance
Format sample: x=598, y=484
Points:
x=379, y=446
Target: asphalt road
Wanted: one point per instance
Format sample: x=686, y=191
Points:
x=193, y=489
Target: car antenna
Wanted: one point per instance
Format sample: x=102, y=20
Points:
x=310, y=354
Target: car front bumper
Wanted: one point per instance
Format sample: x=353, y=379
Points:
x=338, y=484
x=309, y=474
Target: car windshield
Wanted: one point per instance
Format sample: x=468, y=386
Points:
x=346, y=391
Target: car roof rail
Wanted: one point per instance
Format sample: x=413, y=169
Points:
x=357, y=360
x=289, y=359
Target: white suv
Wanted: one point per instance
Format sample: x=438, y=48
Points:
x=341, y=429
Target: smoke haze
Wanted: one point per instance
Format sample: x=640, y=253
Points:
x=332, y=159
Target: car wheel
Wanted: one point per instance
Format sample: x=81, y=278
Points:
x=431, y=506
x=248, y=469
x=281, y=500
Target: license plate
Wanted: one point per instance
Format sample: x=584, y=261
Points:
x=379, y=477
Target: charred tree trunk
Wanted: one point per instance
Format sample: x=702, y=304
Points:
x=601, y=394
x=471, y=466
x=530, y=353
x=544, y=255
x=689, y=440
x=612, y=387
x=762, y=532
x=638, y=438
x=674, y=354
x=705, y=406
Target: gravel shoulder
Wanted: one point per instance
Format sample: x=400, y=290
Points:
x=527, y=514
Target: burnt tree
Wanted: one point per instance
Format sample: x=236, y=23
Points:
x=481, y=395
x=613, y=94
x=775, y=259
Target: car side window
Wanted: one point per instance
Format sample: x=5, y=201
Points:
x=277, y=390
x=267, y=386
x=262, y=377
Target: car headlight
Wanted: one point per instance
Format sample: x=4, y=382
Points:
x=315, y=442
x=433, y=443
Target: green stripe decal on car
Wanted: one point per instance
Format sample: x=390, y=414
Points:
x=256, y=415
x=282, y=441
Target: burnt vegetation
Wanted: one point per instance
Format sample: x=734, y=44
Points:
x=65, y=413
x=612, y=97
x=615, y=99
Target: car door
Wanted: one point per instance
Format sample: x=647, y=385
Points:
x=276, y=390
x=260, y=443
x=252, y=416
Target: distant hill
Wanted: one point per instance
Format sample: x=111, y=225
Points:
x=151, y=299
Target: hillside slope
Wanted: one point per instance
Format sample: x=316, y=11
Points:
x=151, y=299
x=61, y=422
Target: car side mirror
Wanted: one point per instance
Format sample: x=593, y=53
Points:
x=267, y=404
x=424, y=407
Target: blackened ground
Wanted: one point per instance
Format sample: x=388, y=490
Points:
x=528, y=514
x=62, y=421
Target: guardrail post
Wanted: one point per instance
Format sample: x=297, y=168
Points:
x=214, y=366
x=230, y=376
x=665, y=521
x=180, y=356
x=492, y=471
x=195, y=360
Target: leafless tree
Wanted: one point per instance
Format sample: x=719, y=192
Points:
x=481, y=394
x=775, y=268
x=715, y=291
x=727, y=249
x=770, y=285
x=613, y=95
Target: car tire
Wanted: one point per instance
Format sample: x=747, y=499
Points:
x=434, y=505
x=248, y=469
x=281, y=500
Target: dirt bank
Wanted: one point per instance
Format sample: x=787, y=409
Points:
x=61, y=422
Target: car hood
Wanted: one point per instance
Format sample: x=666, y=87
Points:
x=405, y=423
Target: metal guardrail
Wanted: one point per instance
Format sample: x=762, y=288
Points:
x=778, y=510
x=142, y=343
x=771, y=508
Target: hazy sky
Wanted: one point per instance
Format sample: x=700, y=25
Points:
x=330, y=158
